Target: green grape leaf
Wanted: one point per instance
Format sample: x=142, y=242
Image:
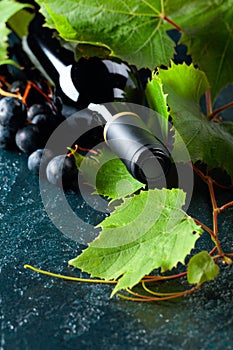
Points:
x=205, y=140
x=89, y=50
x=108, y=175
x=147, y=231
x=19, y=22
x=8, y=9
x=157, y=100
x=202, y=268
x=207, y=31
x=133, y=30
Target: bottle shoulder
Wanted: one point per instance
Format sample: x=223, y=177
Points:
x=113, y=78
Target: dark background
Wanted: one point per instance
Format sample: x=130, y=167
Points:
x=42, y=313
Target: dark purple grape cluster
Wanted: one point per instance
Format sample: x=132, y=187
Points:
x=13, y=116
x=28, y=126
x=60, y=170
x=42, y=120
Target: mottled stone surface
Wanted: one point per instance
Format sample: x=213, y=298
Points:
x=42, y=313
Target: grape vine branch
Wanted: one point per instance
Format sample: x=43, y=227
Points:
x=146, y=43
x=150, y=294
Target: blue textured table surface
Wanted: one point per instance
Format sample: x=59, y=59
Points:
x=39, y=312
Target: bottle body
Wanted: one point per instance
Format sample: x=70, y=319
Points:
x=145, y=157
x=88, y=80
x=105, y=80
x=96, y=81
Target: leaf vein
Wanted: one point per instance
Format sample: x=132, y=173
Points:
x=122, y=12
x=223, y=56
x=149, y=5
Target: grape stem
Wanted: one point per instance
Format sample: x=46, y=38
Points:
x=215, y=210
x=31, y=85
x=213, y=251
x=158, y=296
x=17, y=94
x=225, y=206
x=69, y=278
x=213, y=114
x=10, y=94
x=206, y=228
x=165, y=18
x=209, y=108
x=77, y=147
x=222, y=186
x=148, y=278
x=3, y=81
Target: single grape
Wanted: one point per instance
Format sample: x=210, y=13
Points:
x=41, y=119
x=19, y=86
x=7, y=138
x=38, y=108
x=58, y=104
x=29, y=138
x=38, y=160
x=62, y=170
x=45, y=122
x=12, y=113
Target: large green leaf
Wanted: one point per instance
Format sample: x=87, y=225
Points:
x=8, y=9
x=145, y=232
x=19, y=22
x=207, y=30
x=108, y=175
x=207, y=141
x=132, y=29
x=202, y=268
x=157, y=100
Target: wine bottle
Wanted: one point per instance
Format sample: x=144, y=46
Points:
x=144, y=155
x=88, y=80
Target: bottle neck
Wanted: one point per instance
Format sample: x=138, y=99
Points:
x=47, y=48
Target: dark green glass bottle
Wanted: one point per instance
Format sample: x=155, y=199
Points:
x=92, y=82
x=88, y=80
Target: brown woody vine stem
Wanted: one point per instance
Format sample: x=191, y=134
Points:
x=146, y=298
x=215, y=214
x=213, y=251
x=148, y=278
x=213, y=114
x=225, y=206
x=224, y=187
x=208, y=102
x=205, y=178
x=215, y=211
x=205, y=227
x=200, y=173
